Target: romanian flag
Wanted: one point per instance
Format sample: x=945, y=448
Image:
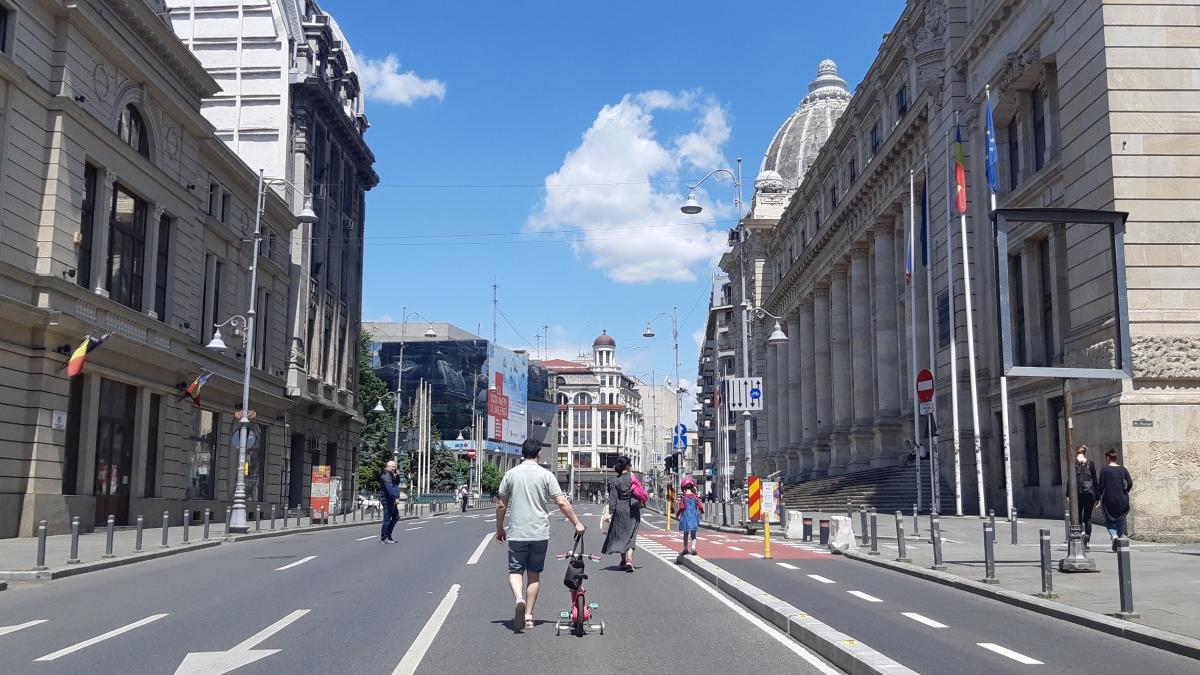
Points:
x=960, y=174
x=192, y=391
x=90, y=343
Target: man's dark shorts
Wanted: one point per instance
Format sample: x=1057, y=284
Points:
x=527, y=555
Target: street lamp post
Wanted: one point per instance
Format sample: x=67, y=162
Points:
x=429, y=333
x=649, y=333
x=237, y=517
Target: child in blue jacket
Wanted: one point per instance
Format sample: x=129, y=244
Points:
x=689, y=509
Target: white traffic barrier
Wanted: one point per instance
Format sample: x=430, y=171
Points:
x=841, y=534
x=795, y=525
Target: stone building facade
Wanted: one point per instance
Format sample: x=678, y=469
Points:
x=291, y=105
x=1094, y=104
x=122, y=214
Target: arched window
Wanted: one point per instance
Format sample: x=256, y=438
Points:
x=583, y=398
x=561, y=399
x=132, y=130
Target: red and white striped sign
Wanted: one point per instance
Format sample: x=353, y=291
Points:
x=925, y=386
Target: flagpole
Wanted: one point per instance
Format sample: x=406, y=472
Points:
x=926, y=256
x=1002, y=258
x=953, y=320
x=912, y=324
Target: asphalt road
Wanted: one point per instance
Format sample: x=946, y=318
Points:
x=927, y=627
x=341, y=602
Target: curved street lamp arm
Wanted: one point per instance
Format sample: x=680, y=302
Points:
x=759, y=312
x=714, y=172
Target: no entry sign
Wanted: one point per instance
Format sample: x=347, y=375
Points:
x=925, y=386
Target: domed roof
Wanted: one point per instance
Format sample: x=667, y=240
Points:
x=605, y=340
x=795, y=146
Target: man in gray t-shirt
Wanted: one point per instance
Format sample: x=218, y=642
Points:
x=525, y=496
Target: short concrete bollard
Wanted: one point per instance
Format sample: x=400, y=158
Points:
x=1047, y=577
x=902, y=553
x=1125, y=579
x=110, y=527
x=989, y=553
x=166, y=530
x=808, y=530
x=862, y=518
x=137, y=542
x=41, y=547
x=823, y=531
x=74, y=558
x=1013, y=520
x=228, y=511
x=874, y=533
x=935, y=536
x=917, y=522
x=207, y=520
x=841, y=535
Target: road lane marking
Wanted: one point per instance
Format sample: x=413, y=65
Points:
x=416, y=652
x=755, y=621
x=757, y=555
x=864, y=596
x=787, y=566
x=253, y=641
x=731, y=548
x=294, y=564
x=100, y=638
x=479, y=550
x=1004, y=651
x=818, y=577
x=410, y=529
x=5, y=630
x=370, y=536
x=925, y=620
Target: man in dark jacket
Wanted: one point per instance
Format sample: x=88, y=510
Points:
x=391, y=496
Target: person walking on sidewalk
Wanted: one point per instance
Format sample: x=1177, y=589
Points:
x=464, y=494
x=525, y=494
x=390, y=478
x=689, y=509
x=625, y=513
x=1085, y=490
x=1115, y=484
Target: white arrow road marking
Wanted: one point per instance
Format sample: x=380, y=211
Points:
x=5, y=630
x=864, y=596
x=1004, y=651
x=925, y=620
x=216, y=663
x=478, y=550
x=100, y=638
x=818, y=577
x=416, y=652
x=294, y=564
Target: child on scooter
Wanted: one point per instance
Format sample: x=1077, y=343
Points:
x=689, y=509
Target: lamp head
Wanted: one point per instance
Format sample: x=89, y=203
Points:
x=307, y=215
x=691, y=207
x=649, y=332
x=777, y=336
x=216, y=343
x=378, y=406
x=430, y=332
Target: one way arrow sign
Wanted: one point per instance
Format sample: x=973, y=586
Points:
x=216, y=663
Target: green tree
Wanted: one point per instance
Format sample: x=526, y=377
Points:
x=491, y=478
x=378, y=426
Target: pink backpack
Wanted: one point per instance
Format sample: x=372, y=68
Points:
x=639, y=492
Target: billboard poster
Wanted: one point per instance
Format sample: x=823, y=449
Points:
x=508, y=404
x=319, y=496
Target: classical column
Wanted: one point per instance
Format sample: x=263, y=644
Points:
x=824, y=375
x=887, y=362
x=150, y=262
x=795, y=405
x=862, y=382
x=100, y=229
x=808, y=395
x=839, y=340
x=783, y=399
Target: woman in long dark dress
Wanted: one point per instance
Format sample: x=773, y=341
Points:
x=625, y=513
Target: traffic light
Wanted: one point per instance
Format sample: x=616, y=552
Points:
x=672, y=463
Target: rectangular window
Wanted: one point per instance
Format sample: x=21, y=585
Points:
x=87, y=221
x=214, y=192
x=343, y=338
x=74, y=424
x=902, y=102
x=326, y=339
x=1014, y=154
x=262, y=326
x=126, y=248
x=4, y=20
x=1054, y=422
x=943, y=319
x=833, y=196
x=202, y=465
x=151, y=487
x=163, y=268
x=1029, y=432
x=218, y=271
x=876, y=140
x=1017, y=297
x=1038, y=105
x=852, y=170
x=1049, y=352
x=226, y=206
x=331, y=458
x=206, y=298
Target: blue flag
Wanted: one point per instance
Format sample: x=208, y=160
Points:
x=990, y=138
x=925, y=223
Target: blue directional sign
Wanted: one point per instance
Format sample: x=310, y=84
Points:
x=679, y=442
x=756, y=394
x=680, y=430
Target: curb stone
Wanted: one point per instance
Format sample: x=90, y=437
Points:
x=1147, y=635
x=840, y=649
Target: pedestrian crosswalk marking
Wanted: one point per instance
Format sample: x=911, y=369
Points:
x=864, y=596
x=788, y=566
x=1004, y=651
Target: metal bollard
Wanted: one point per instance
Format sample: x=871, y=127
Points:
x=823, y=526
x=166, y=529
x=1013, y=521
x=807, y=528
x=324, y=517
x=917, y=522
x=207, y=519
x=109, y=529
x=227, y=512
x=257, y=517
x=41, y=547
x=862, y=518
x=992, y=522
x=1067, y=525
x=272, y=516
x=935, y=536
x=1047, y=578
x=74, y=558
x=902, y=554
x=989, y=554
x=187, y=524
x=1125, y=579
x=850, y=510
x=299, y=510
x=874, y=533
x=137, y=542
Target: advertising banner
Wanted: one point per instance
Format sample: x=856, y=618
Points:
x=508, y=403
x=319, y=495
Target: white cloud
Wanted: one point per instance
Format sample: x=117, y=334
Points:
x=613, y=203
x=698, y=336
x=383, y=82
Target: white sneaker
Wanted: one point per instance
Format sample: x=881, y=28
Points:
x=519, y=615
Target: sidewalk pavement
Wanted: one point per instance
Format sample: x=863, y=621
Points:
x=1165, y=577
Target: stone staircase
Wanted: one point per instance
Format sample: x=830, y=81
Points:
x=887, y=489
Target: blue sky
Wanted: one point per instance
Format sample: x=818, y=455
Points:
x=545, y=146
